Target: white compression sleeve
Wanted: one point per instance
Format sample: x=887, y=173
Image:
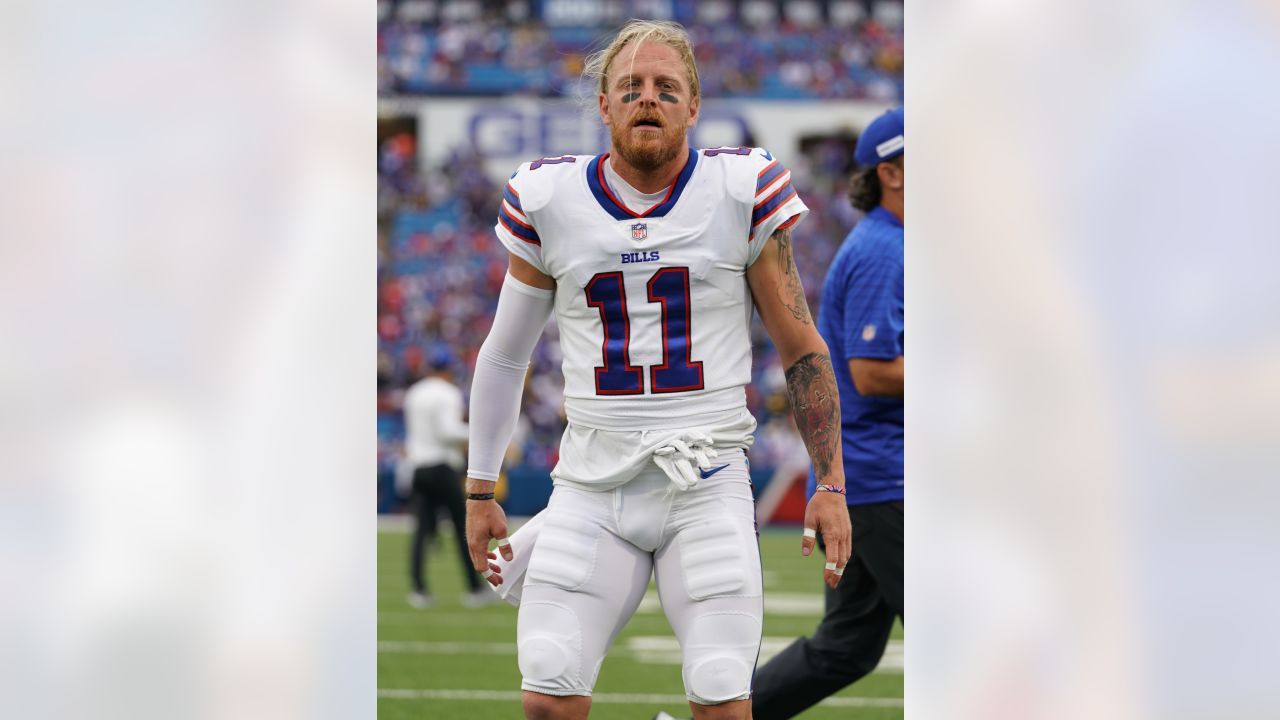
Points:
x=501, y=364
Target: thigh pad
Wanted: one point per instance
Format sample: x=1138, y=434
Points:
x=718, y=555
x=565, y=553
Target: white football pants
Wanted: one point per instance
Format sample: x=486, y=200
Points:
x=591, y=562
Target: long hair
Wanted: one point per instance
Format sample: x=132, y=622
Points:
x=864, y=188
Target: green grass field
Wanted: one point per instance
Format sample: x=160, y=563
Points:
x=450, y=662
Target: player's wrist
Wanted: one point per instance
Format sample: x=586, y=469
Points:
x=830, y=488
x=480, y=487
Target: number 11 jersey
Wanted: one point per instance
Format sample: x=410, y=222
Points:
x=652, y=303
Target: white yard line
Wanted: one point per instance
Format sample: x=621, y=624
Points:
x=657, y=650
x=605, y=698
x=422, y=618
x=775, y=603
x=419, y=647
x=665, y=650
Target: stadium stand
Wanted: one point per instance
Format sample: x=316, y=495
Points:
x=773, y=51
x=440, y=267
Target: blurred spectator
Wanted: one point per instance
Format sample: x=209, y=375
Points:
x=851, y=59
x=436, y=435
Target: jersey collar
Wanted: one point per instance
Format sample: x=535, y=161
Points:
x=883, y=215
x=611, y=204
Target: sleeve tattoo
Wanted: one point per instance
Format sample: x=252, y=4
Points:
x=791, y=292
x=815, y=403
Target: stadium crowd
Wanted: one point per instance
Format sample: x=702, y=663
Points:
x=860, y=58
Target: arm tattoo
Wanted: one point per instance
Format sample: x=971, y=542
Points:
x=815, y=403
x=791, y=291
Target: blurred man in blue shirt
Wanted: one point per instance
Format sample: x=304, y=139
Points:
x=861, y=320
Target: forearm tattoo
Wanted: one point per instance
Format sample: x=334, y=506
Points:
x=815, y=404
x=791, y=292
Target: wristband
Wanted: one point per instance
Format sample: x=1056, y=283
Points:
x=830, y=488
x=480, y=496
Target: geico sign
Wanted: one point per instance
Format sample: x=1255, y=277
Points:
x=566, y=130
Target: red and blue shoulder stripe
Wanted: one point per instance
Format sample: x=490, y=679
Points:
x=773, y=190
x=511, y=216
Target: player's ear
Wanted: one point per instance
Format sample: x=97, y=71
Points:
x=604, y=107
x=695, y=104
x=890, y=174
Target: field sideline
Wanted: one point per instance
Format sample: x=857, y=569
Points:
x=451, y=662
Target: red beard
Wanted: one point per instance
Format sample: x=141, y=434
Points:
x=650, y=151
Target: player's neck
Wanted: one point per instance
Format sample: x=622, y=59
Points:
x=649, y=182
x=893, y=202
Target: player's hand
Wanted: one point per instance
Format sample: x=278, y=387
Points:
x=486, y=521
x=828, y=513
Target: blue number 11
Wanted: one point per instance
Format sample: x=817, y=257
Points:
x=678, y=372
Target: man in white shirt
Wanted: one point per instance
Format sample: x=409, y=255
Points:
x=434, y=437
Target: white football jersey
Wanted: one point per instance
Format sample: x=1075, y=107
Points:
x=652, y=303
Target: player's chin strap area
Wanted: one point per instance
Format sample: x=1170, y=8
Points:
x=676, y=458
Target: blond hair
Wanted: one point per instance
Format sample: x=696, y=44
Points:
x=668, y=33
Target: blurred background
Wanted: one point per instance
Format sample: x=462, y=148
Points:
x=469, y=90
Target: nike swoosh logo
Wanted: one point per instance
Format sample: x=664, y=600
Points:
x=708, y=473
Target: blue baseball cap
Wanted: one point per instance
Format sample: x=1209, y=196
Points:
x=440, y=357
x=882, y=140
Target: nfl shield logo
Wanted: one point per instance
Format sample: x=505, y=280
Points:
x=639, y=231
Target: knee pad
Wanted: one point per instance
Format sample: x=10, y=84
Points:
x=544, y=657
x=719, y=657
x=550, y=651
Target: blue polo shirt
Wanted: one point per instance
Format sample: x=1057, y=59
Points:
x=861, y=317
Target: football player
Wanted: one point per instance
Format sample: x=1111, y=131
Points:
x=651, y=256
